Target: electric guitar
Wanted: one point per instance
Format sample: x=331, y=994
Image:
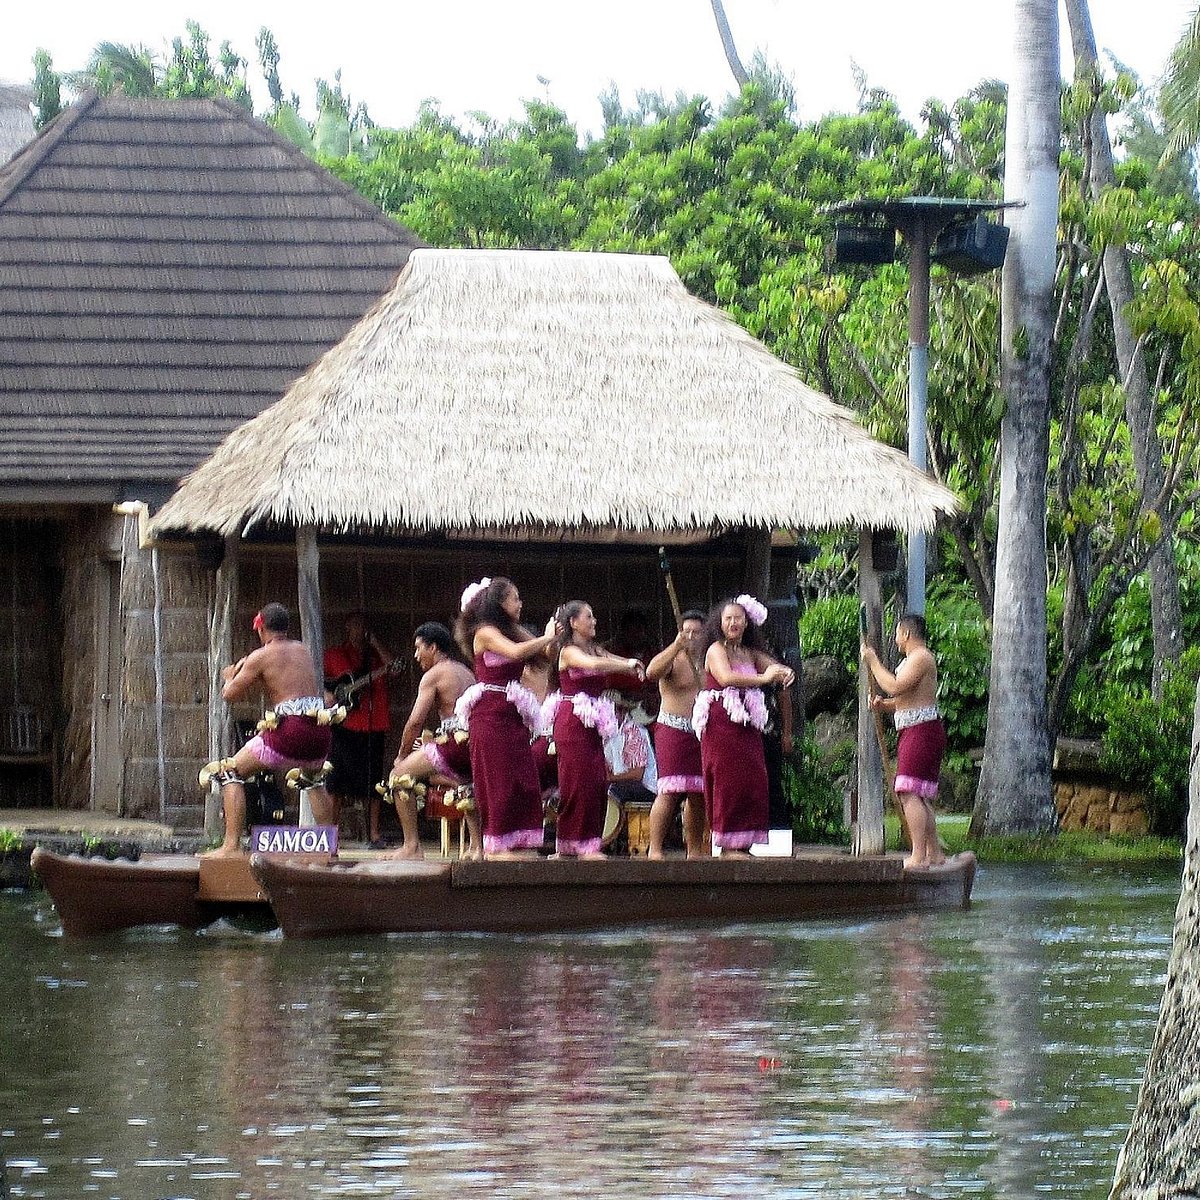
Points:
x=346, y=688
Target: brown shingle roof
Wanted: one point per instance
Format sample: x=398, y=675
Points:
x=167, y=269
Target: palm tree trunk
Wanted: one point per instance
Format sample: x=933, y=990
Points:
x=1161, y=1156
x=1014, y=787
x=731, y=55
x=1166, y=612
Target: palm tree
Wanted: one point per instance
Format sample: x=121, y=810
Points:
x=114, y=67
x=1179, y=97
x=1014, y=788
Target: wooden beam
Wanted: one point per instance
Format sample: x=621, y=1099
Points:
x=756, y=571
x=866, y=833
x=308, y=566
x=220, y=654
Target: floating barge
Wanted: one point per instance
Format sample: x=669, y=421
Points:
x=532, y=896
x=320, y=897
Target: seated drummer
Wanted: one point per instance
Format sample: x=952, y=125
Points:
x=281, y=668
x=632, y=772
x=444, y=678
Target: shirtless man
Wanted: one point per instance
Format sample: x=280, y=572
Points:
x=444, y=678
x=283, y=669
x=679, y=673
x=912, y=700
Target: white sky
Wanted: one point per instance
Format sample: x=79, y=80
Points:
x=487, y=54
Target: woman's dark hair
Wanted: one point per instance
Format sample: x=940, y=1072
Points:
x=563, y=616
x=752, y=639
x=486, y=608
x=434, y=633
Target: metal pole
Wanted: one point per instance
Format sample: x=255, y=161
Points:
x=918, y=391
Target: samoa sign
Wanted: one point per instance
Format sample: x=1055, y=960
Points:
x=294, y=839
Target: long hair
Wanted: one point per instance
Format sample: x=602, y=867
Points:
x=563, y=615
x=752, y=638
x=486, y=608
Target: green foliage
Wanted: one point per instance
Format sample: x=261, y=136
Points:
x=47, y=89
x=830, y=626
x=1147, y=744
x=10, y=840
x=814, y=792
x=958, y=636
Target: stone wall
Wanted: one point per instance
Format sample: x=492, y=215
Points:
x=1100, y=808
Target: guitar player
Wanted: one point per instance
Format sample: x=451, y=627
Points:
x=356, y=674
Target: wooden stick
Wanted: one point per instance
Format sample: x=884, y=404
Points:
x=665, y=567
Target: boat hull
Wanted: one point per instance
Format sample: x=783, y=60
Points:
x=98, y=895
x=528, y=896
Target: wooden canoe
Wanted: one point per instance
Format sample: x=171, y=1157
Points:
x=313, y=899
x=99, y=895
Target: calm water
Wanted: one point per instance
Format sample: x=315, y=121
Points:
x=994, y=1053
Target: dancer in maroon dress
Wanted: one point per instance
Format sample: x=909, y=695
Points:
x=582, y=723
x=501, y=716
x=729, y=716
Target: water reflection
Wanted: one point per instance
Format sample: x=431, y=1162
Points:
x=991, y=1053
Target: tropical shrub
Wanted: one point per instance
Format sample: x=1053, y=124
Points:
x=958, y=636
x=830, y=626
x=814, y=791
x=1147, y=744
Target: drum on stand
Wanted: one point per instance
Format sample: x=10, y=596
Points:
x=614, y=822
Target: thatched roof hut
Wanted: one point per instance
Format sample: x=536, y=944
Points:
x=577, y=395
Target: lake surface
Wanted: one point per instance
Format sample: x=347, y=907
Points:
x=991, y=1053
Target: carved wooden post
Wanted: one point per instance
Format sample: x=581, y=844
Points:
x=866, y=834
x=220, y=654
x=308, y=564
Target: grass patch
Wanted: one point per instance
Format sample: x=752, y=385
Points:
x=1063, y=847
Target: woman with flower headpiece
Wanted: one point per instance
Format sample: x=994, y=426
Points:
x=583, y=721
x=729, y=717
x=501, y=716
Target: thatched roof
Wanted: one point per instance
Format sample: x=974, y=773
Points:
x=543, y=391
x=169, y=268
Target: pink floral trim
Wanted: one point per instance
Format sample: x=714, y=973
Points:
x=745, y=706
x=741, y=839
x=594, y=712
x=549, y=708
x=674, y=785
x=519, y=696
x=518, y=839
x=433, y=752
x=584, y=846
x=925, y=788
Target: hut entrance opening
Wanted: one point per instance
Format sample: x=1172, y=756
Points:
x=30, y=666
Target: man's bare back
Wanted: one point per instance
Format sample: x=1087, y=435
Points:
x=282, y=668
x=449, y=679
x=917, y=677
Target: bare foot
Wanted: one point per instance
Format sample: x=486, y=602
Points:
x=911, y=864
x=223, y=852
x=507, y=854
x=408, y=852
x=735, y=853
x=596, y=855
x=655, y=854
x=940, y=861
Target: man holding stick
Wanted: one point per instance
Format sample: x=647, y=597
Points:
x=912, y=700
x=677, y=671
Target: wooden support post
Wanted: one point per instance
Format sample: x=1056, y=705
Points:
x=866, y=834
x=756, y=571
x=220, y=654
x=308, y=565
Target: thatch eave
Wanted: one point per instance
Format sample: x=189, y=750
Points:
x=517, y=391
